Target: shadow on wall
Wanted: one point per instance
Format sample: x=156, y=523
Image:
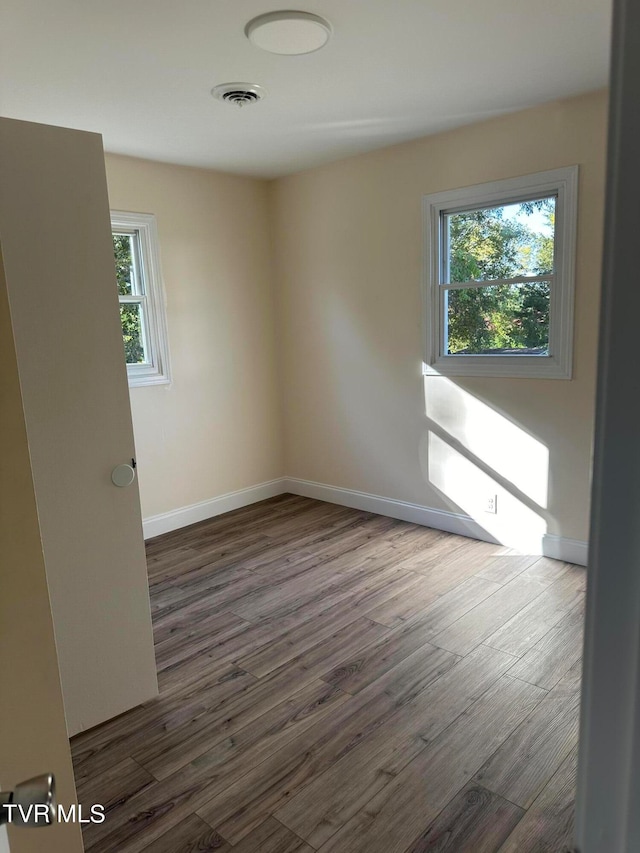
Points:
x=470, y=454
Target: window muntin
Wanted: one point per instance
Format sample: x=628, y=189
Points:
x=499, y=277
x=141, y=298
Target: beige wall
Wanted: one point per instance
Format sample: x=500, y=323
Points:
x=358, y=413
x=216, y=428
x=33, y=735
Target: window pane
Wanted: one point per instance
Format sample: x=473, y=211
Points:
x=501, y=319
x=123, y=252
x=132, y=332
x=126, y=250
x=508, y=241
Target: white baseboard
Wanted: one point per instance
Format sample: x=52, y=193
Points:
x=155, y=525
x=556, y=547
x=568, y=550
x=439, y=519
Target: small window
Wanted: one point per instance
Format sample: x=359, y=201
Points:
x=141, y=296
x=499, y=269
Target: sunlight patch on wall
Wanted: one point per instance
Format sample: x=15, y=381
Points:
x=496, y=441
x=464, y=484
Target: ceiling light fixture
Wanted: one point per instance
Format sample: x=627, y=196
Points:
x=288, y=33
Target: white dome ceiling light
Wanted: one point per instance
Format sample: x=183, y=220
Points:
x=288, y=33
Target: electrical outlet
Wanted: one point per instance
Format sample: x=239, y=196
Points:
x=491, y=504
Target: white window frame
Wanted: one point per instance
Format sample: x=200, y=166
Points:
x=563, y=184
x=153, y=303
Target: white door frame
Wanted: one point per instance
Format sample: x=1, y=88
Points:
x=608, y=816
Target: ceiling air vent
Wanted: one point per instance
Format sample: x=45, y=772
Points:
x=239, y=94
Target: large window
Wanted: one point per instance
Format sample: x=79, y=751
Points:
x=141, y=296
x=499, y=267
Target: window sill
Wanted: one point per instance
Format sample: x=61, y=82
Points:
x=138, y=379
x=495, y=366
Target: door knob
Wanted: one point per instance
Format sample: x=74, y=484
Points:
x=123, y=475
x=31, y=803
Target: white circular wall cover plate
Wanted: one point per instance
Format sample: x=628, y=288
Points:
x=288, y=33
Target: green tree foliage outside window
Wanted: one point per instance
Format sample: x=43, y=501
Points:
x=130, y=312
x=486, y=245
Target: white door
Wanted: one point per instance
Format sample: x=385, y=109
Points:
x=33, y=736
x=59, y=267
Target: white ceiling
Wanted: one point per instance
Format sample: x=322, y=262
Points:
x=140, y=72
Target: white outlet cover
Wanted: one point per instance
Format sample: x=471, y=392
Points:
x=492, y=504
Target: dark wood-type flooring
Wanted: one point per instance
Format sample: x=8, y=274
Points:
x=339, y=681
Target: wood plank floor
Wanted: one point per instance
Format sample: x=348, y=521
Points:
x=338, y=681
